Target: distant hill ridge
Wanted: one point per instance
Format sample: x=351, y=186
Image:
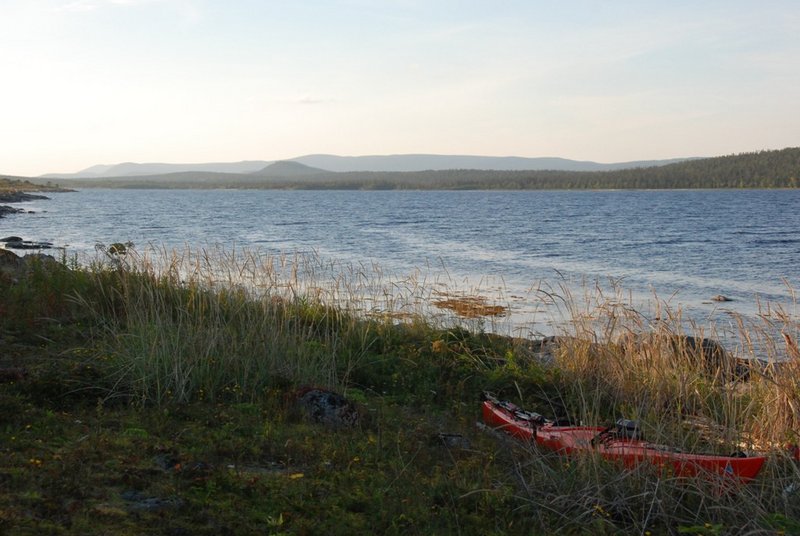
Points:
x=133, y=169
x=433, y=162
x=289, y=169
x=377, y=163
x=763, y=169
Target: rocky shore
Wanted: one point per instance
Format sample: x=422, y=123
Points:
x=19, y=197
x=11, y=192
x=16, y=197
x=6, y=210
x=15, y=242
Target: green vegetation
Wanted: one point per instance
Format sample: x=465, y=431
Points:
x=158, y=396
x=21, y=184
x=11, y=184
x=764, y=169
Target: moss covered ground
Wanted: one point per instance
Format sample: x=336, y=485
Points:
x=132, y=403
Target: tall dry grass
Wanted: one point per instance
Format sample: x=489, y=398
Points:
x=208, y=323
x=614, y=360
x=217, y=324
x=672, y=374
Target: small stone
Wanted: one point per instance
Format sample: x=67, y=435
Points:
x=457, y=441
x=136, y=500
x=327, y=407
x=166, y=461
x=107, y=510
x=12, y=374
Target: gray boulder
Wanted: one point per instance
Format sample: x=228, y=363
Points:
x=13, y=267
x=327, y=407
x=5, y=210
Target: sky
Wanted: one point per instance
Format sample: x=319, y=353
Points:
x=88, y=82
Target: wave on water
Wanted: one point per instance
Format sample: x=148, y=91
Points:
x=636, y=238
x=290, y=223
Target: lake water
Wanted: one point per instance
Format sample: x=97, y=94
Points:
x=684, y=246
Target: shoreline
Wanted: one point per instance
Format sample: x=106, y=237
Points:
x=501, y=281
x=171, y=401
x=16, y=197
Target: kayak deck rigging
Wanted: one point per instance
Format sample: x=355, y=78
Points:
x=623, y=443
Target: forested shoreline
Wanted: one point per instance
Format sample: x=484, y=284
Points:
x=762, y=169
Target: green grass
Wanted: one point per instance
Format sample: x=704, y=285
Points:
x=159, y=399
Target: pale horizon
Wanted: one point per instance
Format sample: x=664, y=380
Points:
x=101, y=82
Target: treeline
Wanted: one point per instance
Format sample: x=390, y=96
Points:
x=14, y=184
x=22, y=184
x=763, y=169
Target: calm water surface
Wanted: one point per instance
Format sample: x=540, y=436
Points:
x=686, y=246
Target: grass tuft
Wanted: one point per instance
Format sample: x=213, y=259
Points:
x=156, y=392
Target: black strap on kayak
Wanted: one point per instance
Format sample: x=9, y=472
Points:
x=531, y=417
x=605, y=434
x=622, y=429
x=628, y=429
x=519, y=413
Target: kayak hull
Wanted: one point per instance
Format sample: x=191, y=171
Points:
x=571, y=440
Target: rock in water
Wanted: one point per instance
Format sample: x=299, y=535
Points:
x=6, y=210
x=19, y=197
x=327, y=407
x=25, y=244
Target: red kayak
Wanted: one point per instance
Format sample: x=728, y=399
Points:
x=622, y=442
